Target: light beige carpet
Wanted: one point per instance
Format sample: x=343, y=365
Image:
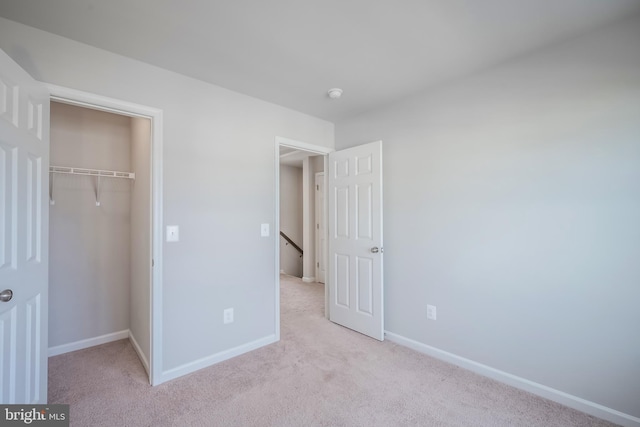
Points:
x=319, y=374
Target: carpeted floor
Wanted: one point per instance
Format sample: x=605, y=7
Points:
x=319, y=374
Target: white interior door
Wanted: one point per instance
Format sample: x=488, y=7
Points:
x=355, y=239
x=24, y=230
x=321, y=236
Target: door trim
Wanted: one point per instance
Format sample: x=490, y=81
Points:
x=317, y=150
x=98, y=102
x=324, y=228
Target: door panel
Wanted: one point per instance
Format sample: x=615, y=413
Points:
x=34, y=208
x=8, y=355
x=8, y=187
x=33, y=348
x=364, y=209
x=365, y=286
x=342, y=280
x=355, y=239
x=24, y=227
x=342, y=212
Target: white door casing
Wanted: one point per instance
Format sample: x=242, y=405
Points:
x=298, y=145
x=24, y=231
x=355, y=239
x=116, y=106
x=321, y=236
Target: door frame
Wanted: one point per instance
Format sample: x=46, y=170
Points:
x=324, y=227
x=111, y=105
x=316, y=150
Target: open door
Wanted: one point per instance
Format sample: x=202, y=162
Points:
x=24, y=231
x=355, y=239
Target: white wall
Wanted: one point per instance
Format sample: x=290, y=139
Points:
x=219, y=186
x=512, y=201
x=140, y=291
x=291, y=219
x=89, y=245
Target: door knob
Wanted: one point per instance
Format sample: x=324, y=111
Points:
x=6, y=295
x=375, y=250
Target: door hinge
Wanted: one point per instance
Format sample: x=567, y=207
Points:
x=318, y=226
x=317, y=187
x=152, y=262
x=318, y=264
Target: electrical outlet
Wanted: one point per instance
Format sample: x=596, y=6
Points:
x=431, y=312
x=228, y=315
x=173, y=233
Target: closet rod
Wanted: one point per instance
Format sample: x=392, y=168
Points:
x=91, y=172
x=97, y=173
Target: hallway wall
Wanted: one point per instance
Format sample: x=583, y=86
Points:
x=291, y=219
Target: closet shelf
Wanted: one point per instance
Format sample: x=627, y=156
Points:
x=97, y=173
x=91, y=172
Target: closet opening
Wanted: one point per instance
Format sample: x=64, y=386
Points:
x=100, y=229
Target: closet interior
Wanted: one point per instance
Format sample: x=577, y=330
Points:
x=100, y=229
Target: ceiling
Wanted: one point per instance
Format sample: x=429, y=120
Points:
x=293, y=157
x=290, y=52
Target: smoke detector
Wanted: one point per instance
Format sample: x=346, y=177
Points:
x=335, y=93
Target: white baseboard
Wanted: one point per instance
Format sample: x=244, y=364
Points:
x=89, y=342
x=205, y=362
x=308, y=279
x=561, y=397
x=141, y=356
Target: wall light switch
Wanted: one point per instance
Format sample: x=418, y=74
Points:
x=173, y=233
x=227, y=315
x=264, y=230
x=431, y=312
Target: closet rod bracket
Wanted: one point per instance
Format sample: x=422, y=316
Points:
x=51, y=186
x=98, y=190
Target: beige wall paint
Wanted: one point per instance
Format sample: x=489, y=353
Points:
x=140, y=292
x=89, y=268
x=291, y=219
